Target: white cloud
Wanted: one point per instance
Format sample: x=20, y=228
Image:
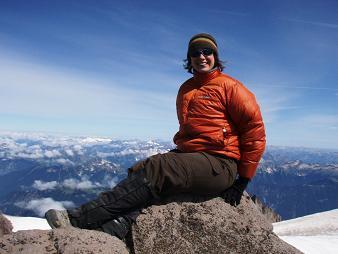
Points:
x=72, y=183
x=105, y=155
x=40, y=185
x=69, y=152
x=77, y=148
x=273, y=101
x=64, y=161
x=36, y=155
x=35, y=147
x=86, y=184
x=52, y=153
x=130, y=151
x=34, y=89
x=16, y=149
x=312, y=130
x=320, y=121
x=92, y=140
x=40, y=206
x=76, y=184
x=316, y=23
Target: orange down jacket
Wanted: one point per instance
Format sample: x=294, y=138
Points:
x=219, y=115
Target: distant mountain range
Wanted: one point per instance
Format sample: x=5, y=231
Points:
x=297, y=181
x=42, y=171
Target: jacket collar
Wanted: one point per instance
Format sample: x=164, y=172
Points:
x=202, y=78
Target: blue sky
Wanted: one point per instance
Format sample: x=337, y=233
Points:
x=113, y=68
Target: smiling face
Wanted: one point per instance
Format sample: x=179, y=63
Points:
x=203, y=63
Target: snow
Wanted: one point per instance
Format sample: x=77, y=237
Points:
x=312, y=234
x=324, y=223
x=319, y=244
x=26, y=223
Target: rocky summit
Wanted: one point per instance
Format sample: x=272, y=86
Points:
x=66, y=241
x=180, y=224
x=189, y=224
x=5, y=225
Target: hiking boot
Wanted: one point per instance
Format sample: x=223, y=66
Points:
x=118, y=227
x=57, y=218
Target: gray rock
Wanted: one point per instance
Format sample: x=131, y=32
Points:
x=6, y=226
x=268, y=212
x=182, y=225
x=66, y=241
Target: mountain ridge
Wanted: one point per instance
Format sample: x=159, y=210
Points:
x=293, y=181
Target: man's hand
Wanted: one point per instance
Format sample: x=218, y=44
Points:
x=234, y=194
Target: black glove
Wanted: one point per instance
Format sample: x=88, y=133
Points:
x=234, y=194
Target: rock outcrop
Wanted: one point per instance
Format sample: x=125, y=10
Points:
x=6, y=226
x=268, y=212
x=66, y=241
x=181, y=224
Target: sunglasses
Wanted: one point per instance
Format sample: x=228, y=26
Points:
x=204, y=52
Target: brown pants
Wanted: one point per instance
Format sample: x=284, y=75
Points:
x=176, y=172
x=158, y=176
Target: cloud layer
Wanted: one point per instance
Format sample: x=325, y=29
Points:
x=40, y=185
x=40, y=206
x=66, y=150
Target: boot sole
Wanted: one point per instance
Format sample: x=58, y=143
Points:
x=53, y=219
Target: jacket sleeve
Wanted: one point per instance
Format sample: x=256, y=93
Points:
x=245, y=114
x=179, y=116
